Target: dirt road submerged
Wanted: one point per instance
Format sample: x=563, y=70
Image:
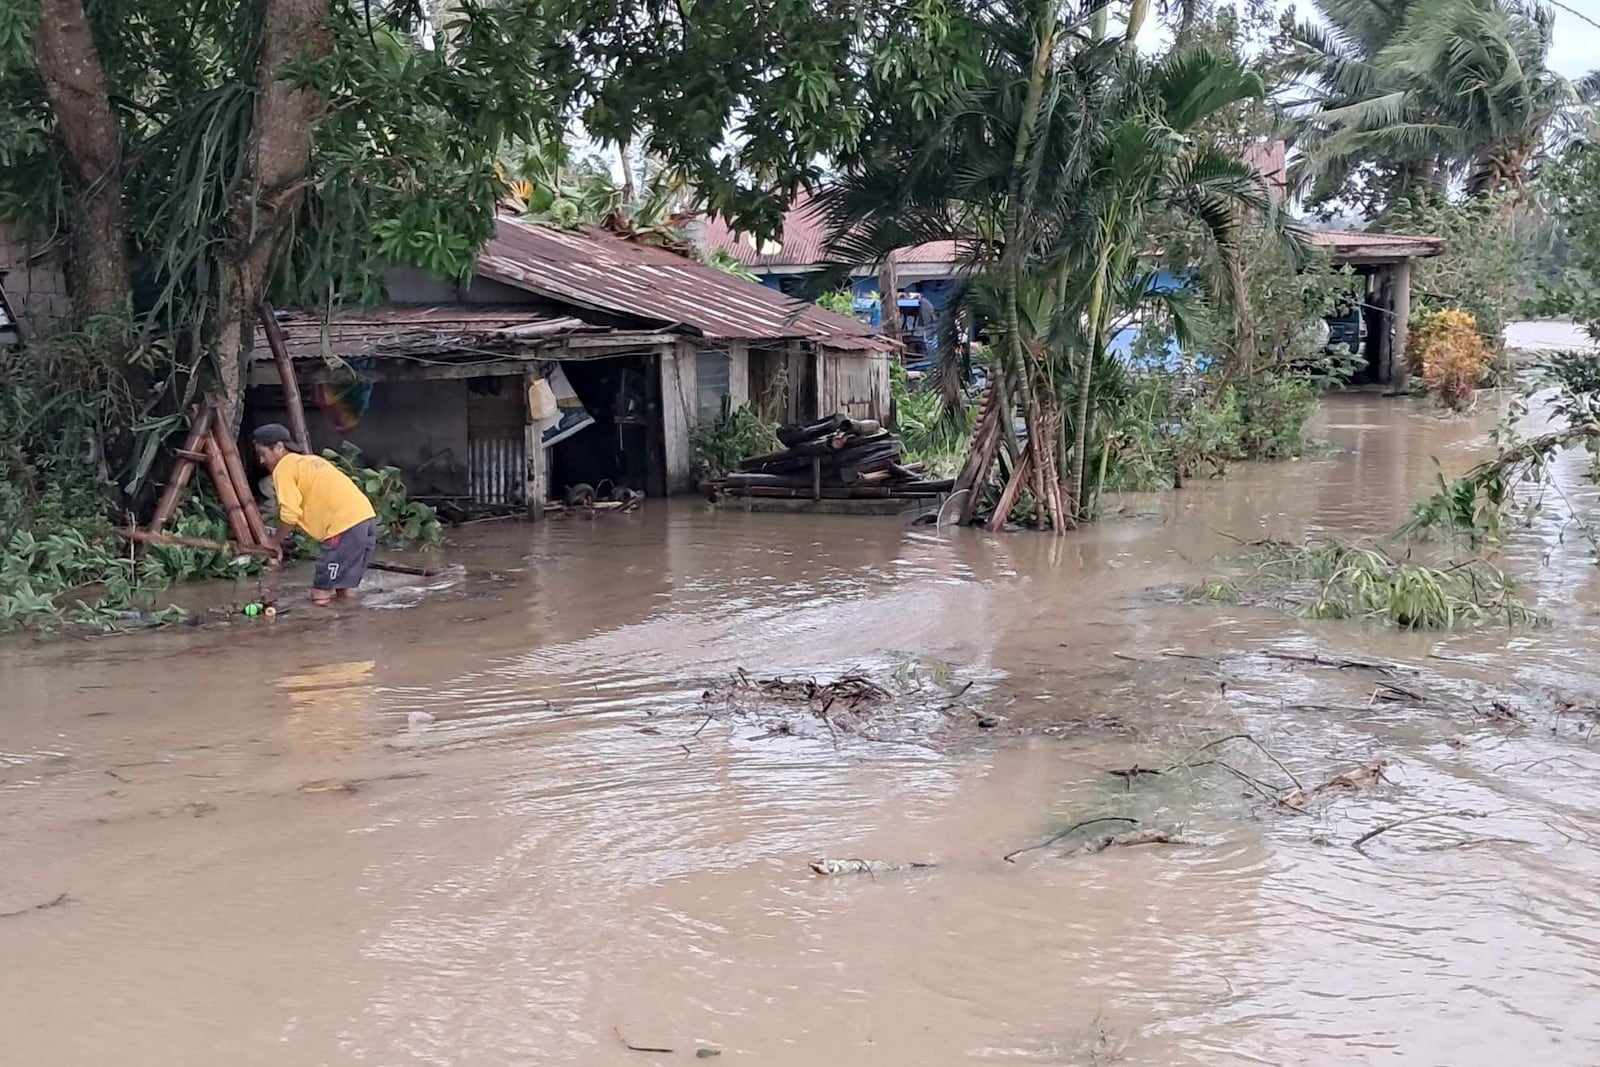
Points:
x=505, y=826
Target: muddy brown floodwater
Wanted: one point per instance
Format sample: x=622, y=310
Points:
x=499, y=825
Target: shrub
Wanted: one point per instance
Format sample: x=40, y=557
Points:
x=719, y=446
x=401, y=520
x=1447, y=352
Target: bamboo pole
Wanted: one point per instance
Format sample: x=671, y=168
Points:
x=172, y=494
x=225, y=492
x=234, y=465
x=291, y=385
x=153, y=537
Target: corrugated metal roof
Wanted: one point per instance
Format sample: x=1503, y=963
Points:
x=591, y=268
x=804, y=236
x=1347, y=246
x=409, y=329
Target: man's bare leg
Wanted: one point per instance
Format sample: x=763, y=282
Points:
x=322, y=597
x=345, y=594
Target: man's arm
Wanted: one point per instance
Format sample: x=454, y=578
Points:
x=291, y=504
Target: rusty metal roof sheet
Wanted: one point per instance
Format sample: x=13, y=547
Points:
x=804, y=236
x=400, y=330
x=1347, y=246
x=591, y=268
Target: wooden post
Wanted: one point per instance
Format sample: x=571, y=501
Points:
x=889, y=297
x=291, y=385
x=1402, y=322
x=225, y=492
x=172, y=494
x=1385, y=323
x=240, y=481
x=535, y=489
x=816, y=477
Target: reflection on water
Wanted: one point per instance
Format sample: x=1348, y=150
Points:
x=501, y=828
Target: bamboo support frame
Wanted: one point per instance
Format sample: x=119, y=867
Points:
x=225, y=492
x=291, y=384
x=234, y=466
x=172, y=494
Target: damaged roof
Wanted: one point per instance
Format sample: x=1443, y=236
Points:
x=399, y=330
x=1348, y=246
x=591, y=268
x=804, y=242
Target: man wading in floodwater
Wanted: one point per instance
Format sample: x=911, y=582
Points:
x=328, y=507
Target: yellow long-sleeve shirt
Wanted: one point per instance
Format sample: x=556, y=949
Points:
x=317, y=497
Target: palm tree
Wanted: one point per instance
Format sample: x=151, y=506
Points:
x=1049, y=163
x=1406, y=94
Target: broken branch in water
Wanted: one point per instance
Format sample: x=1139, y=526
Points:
x=1386, y=827
x=56, y=903
x=1235, y=737
x=1150, y=836
x=1319, y=660
x=1011, y=857
x=1354, y=780
x=830, y=868
x=631, y=1047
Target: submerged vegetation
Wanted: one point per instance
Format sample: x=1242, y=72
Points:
x=1329, y=579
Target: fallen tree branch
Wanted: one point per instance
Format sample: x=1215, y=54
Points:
x=1150, y=836
x=1386, y=827
x=631, y=1047
x=1011, y=857
x=47, y=905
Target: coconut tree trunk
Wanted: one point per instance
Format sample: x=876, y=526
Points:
x=1015, y=250
x=75, y=83
x=278, y=156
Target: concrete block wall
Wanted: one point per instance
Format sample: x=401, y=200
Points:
x=35, y=284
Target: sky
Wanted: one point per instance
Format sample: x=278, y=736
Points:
x=1576, y=49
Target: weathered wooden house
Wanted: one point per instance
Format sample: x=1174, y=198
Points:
x=640, y=343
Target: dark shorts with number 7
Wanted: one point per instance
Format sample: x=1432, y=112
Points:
x=344, y=558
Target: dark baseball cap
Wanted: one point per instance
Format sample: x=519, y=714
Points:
x=273, y=433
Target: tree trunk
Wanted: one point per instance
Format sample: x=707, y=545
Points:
x=630, y=191
x=1244, y=326
x=278, y=155
x=73, y=79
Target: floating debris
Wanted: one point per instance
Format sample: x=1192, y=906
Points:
x=1129, y=839
x=830, y=868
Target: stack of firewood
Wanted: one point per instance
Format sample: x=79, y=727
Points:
x=834, y=458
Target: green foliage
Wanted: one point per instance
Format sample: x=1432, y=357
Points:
x=1575, y=373
x=401, y=520
x=1572, y=188
x=1273, y=411
x=76, y=573
x=1057, y=152
x=1175, y=425
x=931, y=430
x=839, y=301
x=78, y=428
x=1331, y=579
x=1411, y=93
x=727, y=263
x=719, y=446
x=1482, y=262
x=1473, y=506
